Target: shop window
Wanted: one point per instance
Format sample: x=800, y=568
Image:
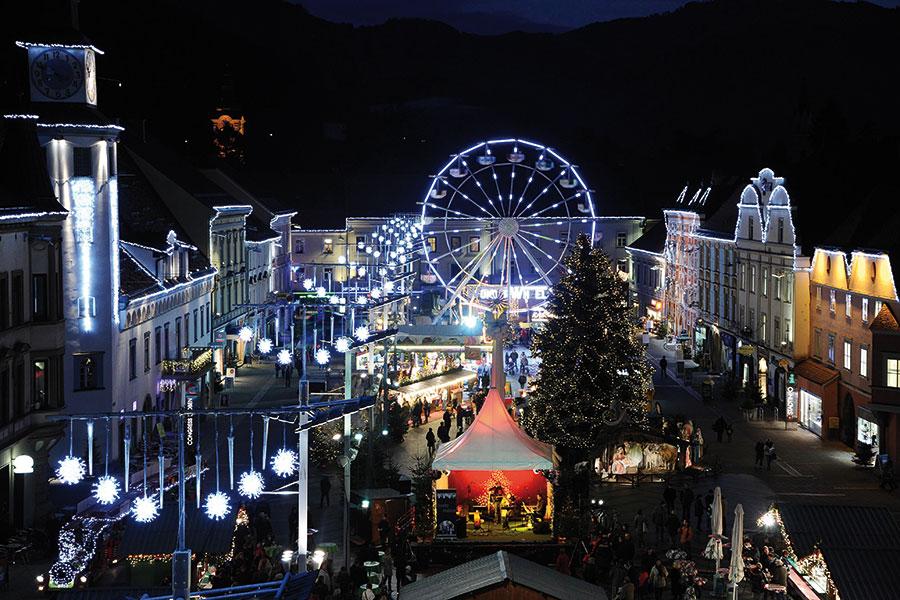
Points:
x=863, y=361
x=848, y=350
x=893, y=373
x=88, y=371
x=867, y=432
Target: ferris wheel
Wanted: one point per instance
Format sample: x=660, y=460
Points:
x=503, y=214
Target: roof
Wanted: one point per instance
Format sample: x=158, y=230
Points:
x=133, y=278
x=55, y=114
x=24, y=180
x=885, y=319
x=816, y=372
x=494, y=442
x=860, y=544
x=489, y=571
x=203, y=535
x=437, y=382
x=653, y=240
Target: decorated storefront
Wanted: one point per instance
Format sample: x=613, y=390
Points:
x=817, y=397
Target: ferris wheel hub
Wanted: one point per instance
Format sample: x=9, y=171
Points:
x=508, y=227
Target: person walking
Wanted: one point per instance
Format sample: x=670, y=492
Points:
x=685, y=536
x=687, y=500
x=640, y=527
x=429, y=439
x=562, y=562
x=663, y=363
x=426, y=407
x=669, y=495
x=368, y=593
x=659, y=579
x=696, y=446
x=387, y=572
x=325, y=489
x=659, y=522
x=887, y=476
x=699, y=512
x=719, y=427
x=760, y=453
x=672, y=525
x=288, y=373
x=770, y=454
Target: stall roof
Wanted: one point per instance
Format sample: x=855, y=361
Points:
x=465, y=580
x=494, y=442
x=437, y=382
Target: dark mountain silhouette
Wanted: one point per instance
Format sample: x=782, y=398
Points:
x=359, y=117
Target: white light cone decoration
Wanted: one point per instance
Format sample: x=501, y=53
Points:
x=362, y=333
x=342, y=344
x=106, y=490
x=284, y=463
x=323, y=356
x=284, y=357
x=251, y=484
x=71, y=470
x=217, y=506
x=264, y=345
x=144, y=509
x=245, y=334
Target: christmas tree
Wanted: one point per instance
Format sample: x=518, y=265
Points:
x=594, y=376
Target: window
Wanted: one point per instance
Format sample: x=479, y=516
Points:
x=865, y=310
x=763, y=329
x=787, y=331
x=621, y=239
x=4, y=301
x=765, y=281
x=752, y=279
x=818, y=297
x=817, y=347
x=750, y=237
x=132, y=358
x=831, y=348
x=863, y=361
x=18, y=298
x=39, y=386
x=18, y=392
x=166, y=341
x=298, y=246
x=178, y=337
x=360, y=242
x=751, y=319
x=831, y=300
x=455, y=242
x=432, y=243
x=741, y=314
x=848, y=305
x=146, y=351
x=195, y=325
x=187, y=329
x=39, y=297
x=781, y=231
x=743, y=275
x=877, y=307
x=893, y=373
x=88, y=371
x=788, y=287
x=848, y=349
x=328, y=246
x=4, y=397
x=474, y=244
x=158, y=341
x=776, y=333
x=777, y=278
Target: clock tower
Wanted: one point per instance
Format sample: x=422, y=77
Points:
x=59, y=73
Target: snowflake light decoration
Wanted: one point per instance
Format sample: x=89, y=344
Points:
x=106, y=490
x=71, y=470
x=362, y=333
x=264, y=346
x=321, y=292
x=388, y=286
x=145, y=509
x=251, y=484
x=284, y=463
x=342, y=344
x=284, y=357
x=307, y=284
x=376, y=293
x=217, y=505
x=323, y=356
x=245, y=334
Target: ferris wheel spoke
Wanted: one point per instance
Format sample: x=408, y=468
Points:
x=497, y=185
x=518, y=268
x=522, y=195
x=537, y=267
x=477, y=260
x=551, y=183
x=466, y=197
x=465, y=280
x=512, y=183
x=543, y=237
x=450, y=210
x=556, y=204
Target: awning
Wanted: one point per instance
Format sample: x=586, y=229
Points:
x=885, y=408
x=816, y=372
x=434, y=383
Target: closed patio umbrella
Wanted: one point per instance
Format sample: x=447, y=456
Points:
x=714, y=547
x=736, y=567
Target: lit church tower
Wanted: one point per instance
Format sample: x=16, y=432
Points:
x=228, y=124
x=81, y=157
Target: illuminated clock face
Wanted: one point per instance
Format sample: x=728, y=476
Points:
x=90, y=77
x=57, y=74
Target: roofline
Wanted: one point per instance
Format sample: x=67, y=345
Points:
x=27, y=45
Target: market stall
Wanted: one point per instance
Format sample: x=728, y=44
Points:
x=495, y=474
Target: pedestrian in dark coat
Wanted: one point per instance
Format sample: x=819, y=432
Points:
x=669, y=495
x=760, y=453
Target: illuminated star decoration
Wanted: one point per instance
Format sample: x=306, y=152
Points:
x=71, y=470
x=106, y=490
x=284, y=463
x=264, y=345
x=323, y=356
x=251, y=484
x=245, y=334
x=342, y=344
x=145, y=509
x=362, y=333
x=284, y=357
x=217, y=505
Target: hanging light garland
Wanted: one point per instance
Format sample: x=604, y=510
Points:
x=251, y=484
x=145, y=508
x=71, y=468
x=106, y=489
x=217, y=504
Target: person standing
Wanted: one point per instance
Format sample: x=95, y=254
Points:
x=760, y=453
x=659, y=579
x=562, y=562
x=640, y=527
x=699, y=512
x=429, y=439
x=672, y=525
x=685, y=536
x=687, y=500
x=719, y=427
x=325, y=489
x=663, y=363
x=669, y=495
x=659, y=521
x=426, y=407
x=887, y=476
x=770, y=454
x=387, y=572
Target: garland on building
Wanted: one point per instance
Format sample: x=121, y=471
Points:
x=593, y=372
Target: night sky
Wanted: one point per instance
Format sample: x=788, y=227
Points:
x=496, y=16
